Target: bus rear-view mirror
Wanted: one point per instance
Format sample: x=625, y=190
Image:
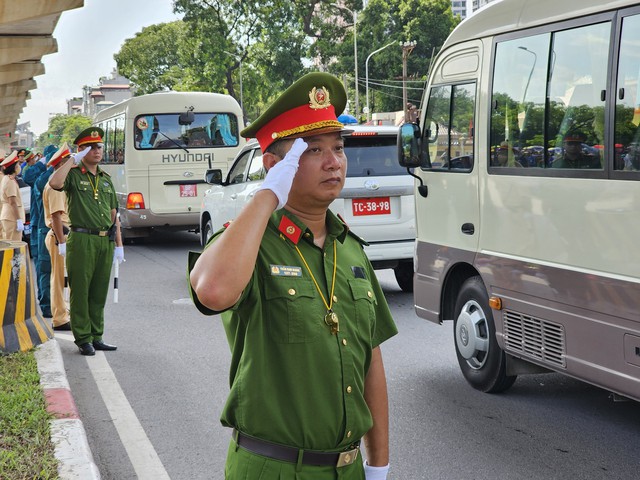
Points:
x=186, y=118
x=213, y=177
x=409, y=145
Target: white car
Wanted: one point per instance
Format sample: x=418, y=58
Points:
x=376, y=201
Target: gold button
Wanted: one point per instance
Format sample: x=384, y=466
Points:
x=292, y=291
x=349, y=389
x=335, y=299
x=349, y=434
x=344, y=342
x=369, y=294
x=307, y=235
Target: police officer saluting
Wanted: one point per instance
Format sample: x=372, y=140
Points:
x=89, y=250
x=302, y=308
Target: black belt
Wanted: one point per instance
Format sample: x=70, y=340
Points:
x=290, y=454
x=100, y=233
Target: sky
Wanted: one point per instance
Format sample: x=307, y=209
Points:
x=87, y=37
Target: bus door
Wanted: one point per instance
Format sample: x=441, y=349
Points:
x=448, y=217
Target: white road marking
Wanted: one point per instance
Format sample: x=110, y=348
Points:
x=141, y=453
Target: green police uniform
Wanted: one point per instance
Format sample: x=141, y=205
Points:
x=89, y=255
x=293, y=381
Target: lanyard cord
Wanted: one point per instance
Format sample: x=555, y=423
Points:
x=328, y=304
x=94, y=187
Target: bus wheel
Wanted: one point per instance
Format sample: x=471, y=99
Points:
x=207, y=233
x=404, y=275
x=482, y=361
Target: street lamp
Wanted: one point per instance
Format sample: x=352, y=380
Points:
x=366, y=68
x=239, y=59
x=355, y=49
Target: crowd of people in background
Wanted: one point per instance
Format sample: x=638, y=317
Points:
x=34, y=168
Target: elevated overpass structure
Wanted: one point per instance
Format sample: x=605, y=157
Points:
x=26, y=35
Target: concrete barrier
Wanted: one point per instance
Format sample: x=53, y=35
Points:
x=22, y=326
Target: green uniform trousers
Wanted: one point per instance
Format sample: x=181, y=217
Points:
x=245, y=465
x=89, y=259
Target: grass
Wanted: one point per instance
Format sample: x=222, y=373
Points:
x=26, y=451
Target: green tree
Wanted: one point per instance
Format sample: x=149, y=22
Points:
x=276, y=42
x=427, y=22
x=152, y=59
x=63, y=128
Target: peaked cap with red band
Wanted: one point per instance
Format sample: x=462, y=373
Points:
x=308, y=107
x=11, y=159
x=89, y=135
x=62, y=153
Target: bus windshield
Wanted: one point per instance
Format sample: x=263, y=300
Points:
x=164, y=131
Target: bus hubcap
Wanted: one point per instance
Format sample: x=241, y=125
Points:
x=471, y=334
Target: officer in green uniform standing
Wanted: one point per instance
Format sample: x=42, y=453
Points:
x=89, y=250
x=302, y=308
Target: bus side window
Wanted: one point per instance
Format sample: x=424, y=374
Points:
x=449, y=138
x=575, y=86
x=518, y=102
x=627, y=124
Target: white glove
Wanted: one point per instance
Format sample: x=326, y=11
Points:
x=20, y=225
x=62, y=249
x=280, y=177
x=375, y=473
x=80, y=155
x=118, y=255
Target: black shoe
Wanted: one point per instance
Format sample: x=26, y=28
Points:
x=100, y=345
x=87, y=349
x=64, y=326
x=47, y=314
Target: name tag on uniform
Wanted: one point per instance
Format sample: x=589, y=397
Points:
x=286, y=271
x=84, y=182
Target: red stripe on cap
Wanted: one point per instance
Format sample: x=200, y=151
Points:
x=89, y=139
x=297, y=120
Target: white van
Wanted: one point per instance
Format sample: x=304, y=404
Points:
x=376, y=202
x=157, y=149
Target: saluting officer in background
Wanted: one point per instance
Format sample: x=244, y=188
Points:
x=36, y=217
x=95, y=227
x=56, y=218
x=303, y=311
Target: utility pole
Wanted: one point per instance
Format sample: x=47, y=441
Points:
x=407, y=48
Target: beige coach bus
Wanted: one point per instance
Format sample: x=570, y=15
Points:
x=528, y=216
x=157, y=148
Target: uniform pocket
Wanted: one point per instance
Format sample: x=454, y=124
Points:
x=291, y=310
x=364, y=300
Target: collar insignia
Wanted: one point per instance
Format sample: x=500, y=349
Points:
x=319, y=98
x=289, y=229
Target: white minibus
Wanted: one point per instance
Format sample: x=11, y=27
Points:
x=157, y=148
x=528, y=194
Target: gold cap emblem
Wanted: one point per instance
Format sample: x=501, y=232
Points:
x=319, y=98
x=95, y=134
